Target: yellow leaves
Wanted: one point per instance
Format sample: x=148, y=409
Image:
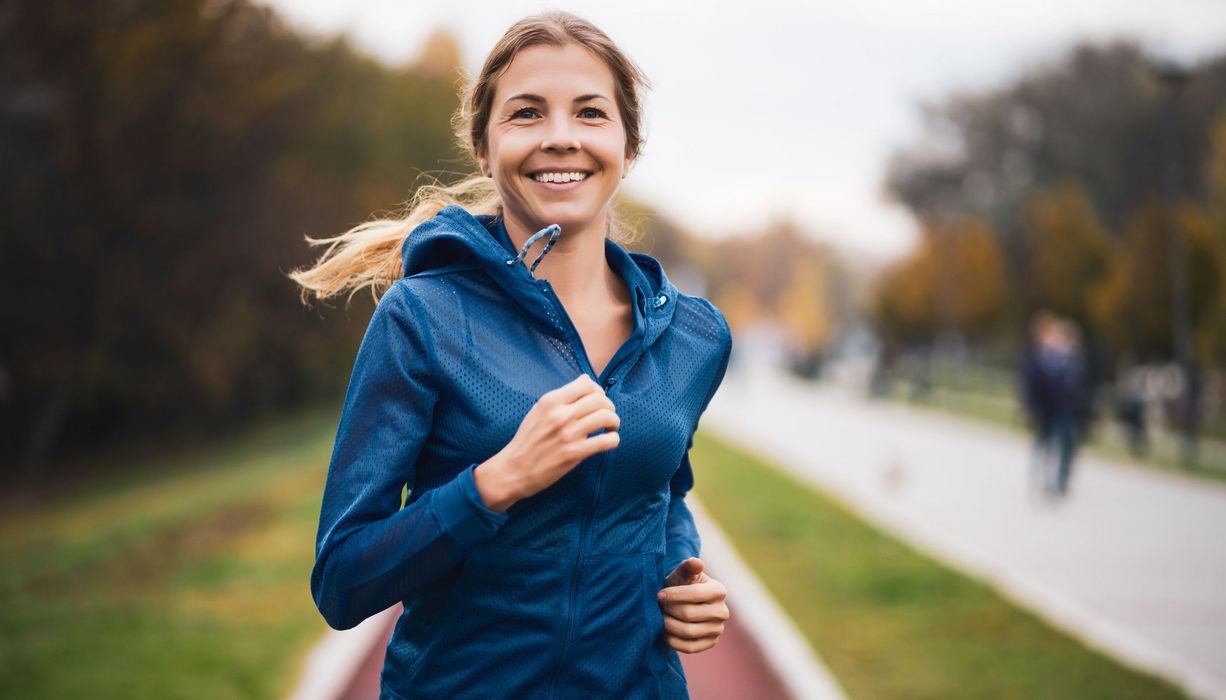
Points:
x=780, y=277
x=739, y=305
x=804, y=306
x=1120, y=286
x=954, y=278
x=905, y=302
x=1068, y=249
x=978, y=276
x=440, y=57
x=1133, y=305
x=1216, y=170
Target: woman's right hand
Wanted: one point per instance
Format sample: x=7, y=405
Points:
x=550, y=441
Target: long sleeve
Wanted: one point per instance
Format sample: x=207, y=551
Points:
x=681, y=539
x=371, y=553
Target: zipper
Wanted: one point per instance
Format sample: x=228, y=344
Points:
x=574, y=579
x=576, y=343
x=586, y=365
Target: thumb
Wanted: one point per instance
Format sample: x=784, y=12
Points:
x=686, y=572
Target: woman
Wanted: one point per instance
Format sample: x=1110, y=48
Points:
x=540, y=413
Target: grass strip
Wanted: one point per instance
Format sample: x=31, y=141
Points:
x=888, y=621
x=189, y=580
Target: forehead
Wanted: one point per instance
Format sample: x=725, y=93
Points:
x=555, y=72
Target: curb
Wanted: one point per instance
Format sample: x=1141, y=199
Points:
x=785, y=649
x=330, y=669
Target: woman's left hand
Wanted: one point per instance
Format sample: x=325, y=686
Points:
x=694, y=608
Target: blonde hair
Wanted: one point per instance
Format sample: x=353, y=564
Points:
x=368, y=256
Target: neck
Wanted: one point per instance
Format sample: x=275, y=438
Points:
x=576, y=267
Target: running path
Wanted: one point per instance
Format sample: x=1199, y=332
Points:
x=1133, y=562
x=760, y=654
x=734, y=668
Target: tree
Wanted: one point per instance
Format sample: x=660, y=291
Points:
x=1068, y=250
x=1132, y=306
x=162, y=164
x=952, y=281
x=805, y=308
x=1094, y=115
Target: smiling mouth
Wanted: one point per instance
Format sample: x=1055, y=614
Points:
x=558, y=177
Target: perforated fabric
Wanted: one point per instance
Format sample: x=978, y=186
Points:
x=556, y=597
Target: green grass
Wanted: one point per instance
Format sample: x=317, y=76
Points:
x=888, y=621
x=184, y=577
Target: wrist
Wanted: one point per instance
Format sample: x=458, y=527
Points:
x=494, y=485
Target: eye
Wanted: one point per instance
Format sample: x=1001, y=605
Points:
x=523, y=113
x=591, y=113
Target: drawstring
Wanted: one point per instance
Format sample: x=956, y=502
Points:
x=553, y=230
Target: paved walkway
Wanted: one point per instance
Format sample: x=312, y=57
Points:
x=1133, y=562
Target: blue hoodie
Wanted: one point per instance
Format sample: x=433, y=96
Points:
x=556, y=597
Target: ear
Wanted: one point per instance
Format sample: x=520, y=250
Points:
x=483, y=161
x=629, y=163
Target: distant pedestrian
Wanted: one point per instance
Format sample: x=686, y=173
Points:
x=1130, y=411
x=1054, y=392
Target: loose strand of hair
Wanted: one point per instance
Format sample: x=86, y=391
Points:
x=368, y=255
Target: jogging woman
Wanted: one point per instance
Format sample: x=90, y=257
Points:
x=536, y=389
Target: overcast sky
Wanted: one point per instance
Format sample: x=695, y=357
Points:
x=790, y=108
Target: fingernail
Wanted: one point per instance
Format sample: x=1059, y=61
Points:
x=661, y=595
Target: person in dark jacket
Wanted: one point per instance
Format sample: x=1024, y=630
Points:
x=540, y=413
x=1056, y=399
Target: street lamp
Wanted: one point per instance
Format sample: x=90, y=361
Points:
x=1174, y=77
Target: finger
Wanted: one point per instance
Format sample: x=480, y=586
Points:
x=706, y=591
x=691, y=646
x=597, y=443
x=573, y=390
x=677, y=578
x=698, y=612
x=589, y=403
x=693, y=630
x=604, y=418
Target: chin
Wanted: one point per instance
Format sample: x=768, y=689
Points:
x=568, y=216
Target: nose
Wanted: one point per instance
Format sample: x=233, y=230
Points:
x=560, y=135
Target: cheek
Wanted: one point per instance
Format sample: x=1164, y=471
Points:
x=499, y=148
x=612, y=151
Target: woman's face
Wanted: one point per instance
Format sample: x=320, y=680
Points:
x=555, y=145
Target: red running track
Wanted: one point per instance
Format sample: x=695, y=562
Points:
x=734, y=669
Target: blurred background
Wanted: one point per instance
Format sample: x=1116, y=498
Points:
x=881, y=199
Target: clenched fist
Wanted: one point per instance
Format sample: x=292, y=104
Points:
x=694, y=608
x=550, y=441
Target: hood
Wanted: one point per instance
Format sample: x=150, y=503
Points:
x=456, y=238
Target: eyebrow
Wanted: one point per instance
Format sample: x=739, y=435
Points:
x=537, y=98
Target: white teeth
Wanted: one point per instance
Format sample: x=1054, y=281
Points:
x=559, y=177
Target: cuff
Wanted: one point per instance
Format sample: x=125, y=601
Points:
x=461, y=511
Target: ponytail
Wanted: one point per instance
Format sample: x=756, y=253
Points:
x=368, y=256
